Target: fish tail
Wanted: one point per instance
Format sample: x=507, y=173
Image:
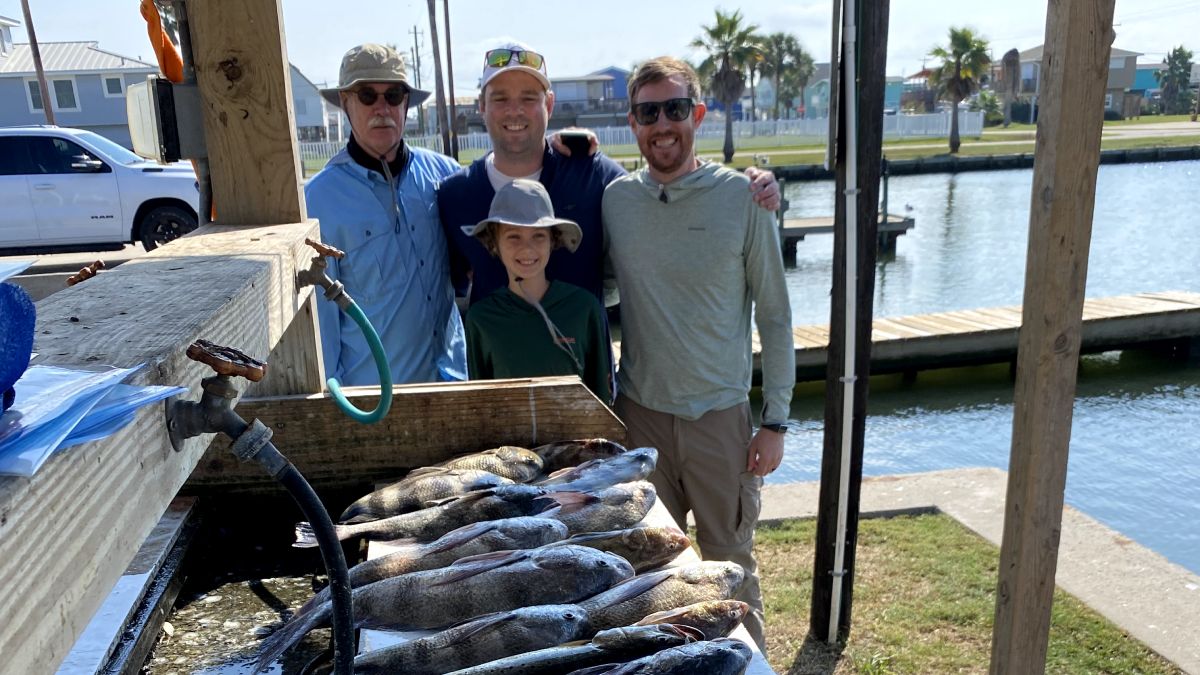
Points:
x=305, y=537
x=289, y=634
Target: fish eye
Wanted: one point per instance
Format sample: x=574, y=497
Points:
x=569, y=616
x=604, y=563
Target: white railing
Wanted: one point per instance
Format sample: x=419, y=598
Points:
x=766, y=133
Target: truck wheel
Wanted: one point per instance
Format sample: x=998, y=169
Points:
x=164, y=223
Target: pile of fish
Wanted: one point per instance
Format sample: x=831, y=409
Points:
x=530, y=561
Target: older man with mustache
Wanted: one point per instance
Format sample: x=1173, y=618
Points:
x=376, y=201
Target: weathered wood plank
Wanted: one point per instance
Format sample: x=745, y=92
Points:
x=1079, y=35
x=295, y=365
x=427, y=423
x=84, y=515
x=245, y=85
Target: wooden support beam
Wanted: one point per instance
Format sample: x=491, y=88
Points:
x=245, y=86
x=1079, y=35
x=68, y=533
x=427, y=423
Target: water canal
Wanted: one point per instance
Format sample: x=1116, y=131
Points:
x=1135, y=451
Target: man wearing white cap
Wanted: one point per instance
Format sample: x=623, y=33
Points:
x=516, y=102
x=375, y=200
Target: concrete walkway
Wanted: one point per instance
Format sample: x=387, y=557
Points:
x=1154, y=600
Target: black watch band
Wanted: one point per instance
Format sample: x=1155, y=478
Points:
x=777, y=428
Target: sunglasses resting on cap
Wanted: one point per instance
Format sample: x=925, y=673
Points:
x=498, y=58
x=368, y=96
x=676, y=109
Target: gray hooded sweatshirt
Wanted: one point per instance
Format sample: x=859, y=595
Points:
x=691, y=259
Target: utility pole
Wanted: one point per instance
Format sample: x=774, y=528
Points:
x=416, y=54
x=443, y=127
x=450, y=83
x=37, y=64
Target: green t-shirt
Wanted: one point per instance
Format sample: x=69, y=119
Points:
x=507, y=337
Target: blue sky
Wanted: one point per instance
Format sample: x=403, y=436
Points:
x=580, y=37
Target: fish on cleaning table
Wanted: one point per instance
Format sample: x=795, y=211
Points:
x=506, y=501
x=722, y=656
x=636, y=464
x=645, y=547
x=613, y=508
x=510, y=461
x=611, y=646
x=630, y=601
x=479, y=640
x=471, y=587
x=505, y=534
x=713, y=618
x=416, y=492
x=565, y=454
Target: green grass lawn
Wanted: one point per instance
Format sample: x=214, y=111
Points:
x=924, y=599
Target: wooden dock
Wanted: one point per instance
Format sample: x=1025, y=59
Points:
x=794, y=230
x=977, y=336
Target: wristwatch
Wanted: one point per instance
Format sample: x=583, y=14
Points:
x=777, y=428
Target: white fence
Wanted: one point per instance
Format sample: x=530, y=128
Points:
x=783, y=132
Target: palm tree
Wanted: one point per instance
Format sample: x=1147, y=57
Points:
x=964, y=63
x=1175, y=81
x=788, y=66
x=730, y=45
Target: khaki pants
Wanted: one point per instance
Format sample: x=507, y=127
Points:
x=702, y=469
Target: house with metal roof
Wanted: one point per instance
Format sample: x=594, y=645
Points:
x=87, y=88
x=86, y=84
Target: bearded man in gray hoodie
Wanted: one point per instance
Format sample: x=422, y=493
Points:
x=692, y=255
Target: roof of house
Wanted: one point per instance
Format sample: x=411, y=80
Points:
x=70, y=57
x=582, y=78
x=1035, y=53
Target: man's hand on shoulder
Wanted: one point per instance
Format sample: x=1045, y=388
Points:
x=764, y=187
x=563, y=140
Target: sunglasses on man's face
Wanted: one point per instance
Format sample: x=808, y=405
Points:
x=676, y=109
x=394, y=97
x=498, y=58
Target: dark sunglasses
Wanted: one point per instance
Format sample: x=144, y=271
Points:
x=394, y=97
x=677, y=110
x=498, y=58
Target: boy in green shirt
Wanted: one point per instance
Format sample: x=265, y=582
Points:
x=534, y=326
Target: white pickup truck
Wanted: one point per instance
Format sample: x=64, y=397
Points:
x=63, y=189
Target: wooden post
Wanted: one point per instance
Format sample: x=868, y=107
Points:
x=245, y=88
x=1079, y=34
x=872, y=37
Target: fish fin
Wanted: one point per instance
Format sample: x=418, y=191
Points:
x=472, y=627
x=468, y=567
x=628, y=589
x=305, y=537
x=289, y=634
x=460, y=536
x=563, y=475
x=583, y=537
x=690, y=633
x=605, y=669
x=570, y=501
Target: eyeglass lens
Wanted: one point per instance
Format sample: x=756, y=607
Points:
x=394, y=97
x=676, y=109
x=498, y=58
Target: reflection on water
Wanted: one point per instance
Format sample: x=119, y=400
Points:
x=1135, y=456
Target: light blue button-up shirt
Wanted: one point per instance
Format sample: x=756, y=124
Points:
x=396, y=268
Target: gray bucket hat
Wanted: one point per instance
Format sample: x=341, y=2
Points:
x=525, y=203
x=373, y=63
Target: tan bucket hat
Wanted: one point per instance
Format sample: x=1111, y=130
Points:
x=525, y=203
x=372, y=62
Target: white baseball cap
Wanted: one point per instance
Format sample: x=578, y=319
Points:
x=513, y=56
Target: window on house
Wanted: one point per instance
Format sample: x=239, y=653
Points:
x=301, y=107
x=114, y=86
x=35, y=95
x=1108, y=100
x=64, y=95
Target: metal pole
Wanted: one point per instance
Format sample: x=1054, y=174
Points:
x=450, y=83
x=443, y=127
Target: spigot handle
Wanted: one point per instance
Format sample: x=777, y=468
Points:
x=85, y=273
x=227, y=360
x=326, y=249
